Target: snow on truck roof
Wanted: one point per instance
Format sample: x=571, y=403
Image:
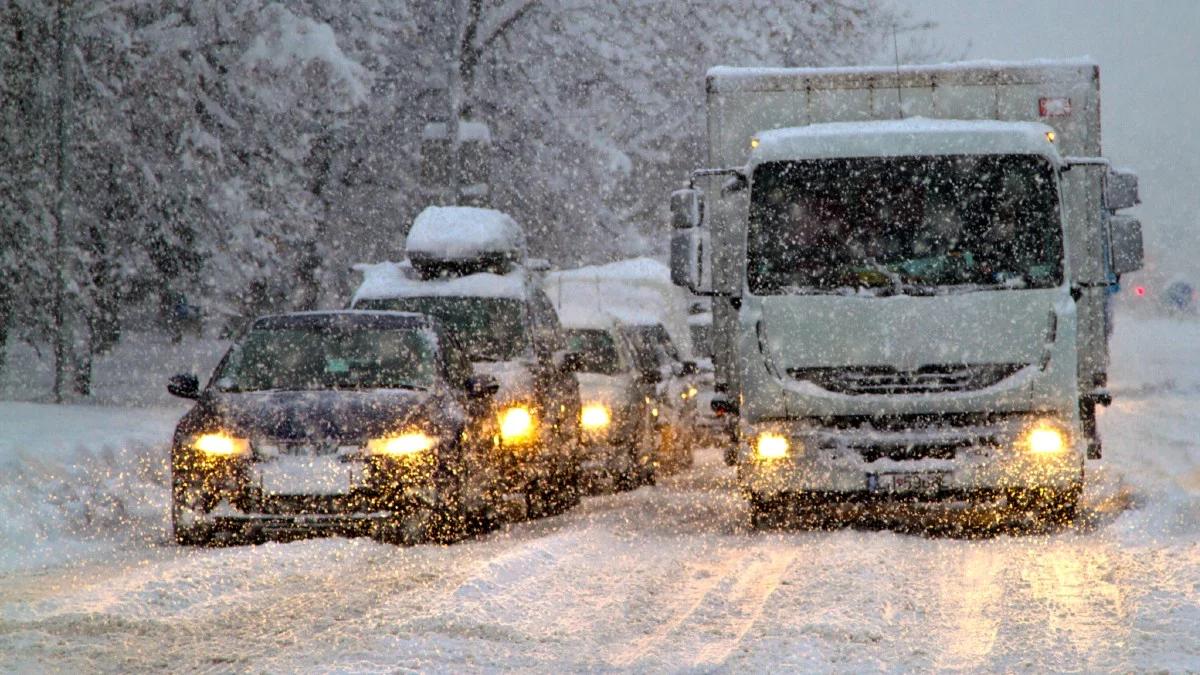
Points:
x=734, y=78
x=463, y=232
x=389, y=280
x=911, y=136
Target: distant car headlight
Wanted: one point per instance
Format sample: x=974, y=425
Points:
x=770, y=445
x=516, y=425
x=221, y=444
x=1045, y=439
x=401, y=445
x=595, y=416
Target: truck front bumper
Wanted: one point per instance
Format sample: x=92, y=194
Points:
x=934, y=462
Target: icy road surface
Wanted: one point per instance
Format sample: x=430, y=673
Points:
x=663, y=579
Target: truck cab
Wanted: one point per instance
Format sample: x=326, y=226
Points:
x=908, y=306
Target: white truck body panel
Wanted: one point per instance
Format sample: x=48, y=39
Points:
x=763, y=345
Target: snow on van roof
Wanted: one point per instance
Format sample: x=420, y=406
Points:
x=733, y=73
x=635, y=292
x=908, y=136
x=390, y=280
x=463, y=232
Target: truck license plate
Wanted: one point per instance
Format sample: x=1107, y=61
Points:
x=900, y=482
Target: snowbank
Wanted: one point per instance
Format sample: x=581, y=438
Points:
x=73, y=477
x=464, y=232
x=389, y=280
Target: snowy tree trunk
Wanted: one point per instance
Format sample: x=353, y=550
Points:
x=60, y=208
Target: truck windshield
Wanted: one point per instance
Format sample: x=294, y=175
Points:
x=323, y=357
x=489, y=329
x=913, y=225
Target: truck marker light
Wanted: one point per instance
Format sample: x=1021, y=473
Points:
x=1050, y=136
x=771, y=445
x=1054, y=107
x=754, y=142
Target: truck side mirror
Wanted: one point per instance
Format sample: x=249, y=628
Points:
x=687, y=208
x=1125, y=232
x=1121, y=189
x=687, y=258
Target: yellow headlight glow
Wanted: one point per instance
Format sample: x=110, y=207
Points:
x=221, y=445
x=516, y=425
x=770, y=445
x=1046, y=440
x=408, y=443
x=595, y=416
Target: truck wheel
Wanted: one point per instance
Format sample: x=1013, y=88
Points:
x=1057, y=506
x=766, y=512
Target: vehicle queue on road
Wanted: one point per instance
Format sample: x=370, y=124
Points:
x=447, y=399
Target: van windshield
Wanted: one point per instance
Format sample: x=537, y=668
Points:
x=912, y=225
x=489, y=329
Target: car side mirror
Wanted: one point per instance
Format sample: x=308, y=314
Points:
x=688, y=368
x=184, y=385
x=573, y=362
x=482, y=386
x=650, y=377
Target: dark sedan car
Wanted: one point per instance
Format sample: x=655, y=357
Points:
x=350, y=422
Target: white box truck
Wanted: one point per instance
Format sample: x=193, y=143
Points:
x=910, y=269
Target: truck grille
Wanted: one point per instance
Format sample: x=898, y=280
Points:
x=931, y=379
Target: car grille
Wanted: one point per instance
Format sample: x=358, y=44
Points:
x=932, y=379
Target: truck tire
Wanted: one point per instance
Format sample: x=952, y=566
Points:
x=1056, y=506
x=766, y=512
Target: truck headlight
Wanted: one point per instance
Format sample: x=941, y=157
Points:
x=221, y=444
x=516, y=425
x=595, y=416
x=1045, y=439
x=401, y=445
x=770, y=445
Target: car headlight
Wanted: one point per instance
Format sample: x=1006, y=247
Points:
x=516, y=425
x=1045, y=439
x=595, y=416
x=770, y=445
x=401, y=445
x=221, y=444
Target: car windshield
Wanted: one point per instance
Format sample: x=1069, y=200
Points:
x=489, y=329
x=904, y=225
x=598, y=348
x=652, y=347
x=330, y=357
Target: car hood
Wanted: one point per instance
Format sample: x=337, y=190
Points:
x=514, y=377
x=611, y=390
x=334, y=415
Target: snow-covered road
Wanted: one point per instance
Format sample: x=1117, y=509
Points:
x=664, y=578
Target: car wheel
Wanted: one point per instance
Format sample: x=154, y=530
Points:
x=185, y=532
